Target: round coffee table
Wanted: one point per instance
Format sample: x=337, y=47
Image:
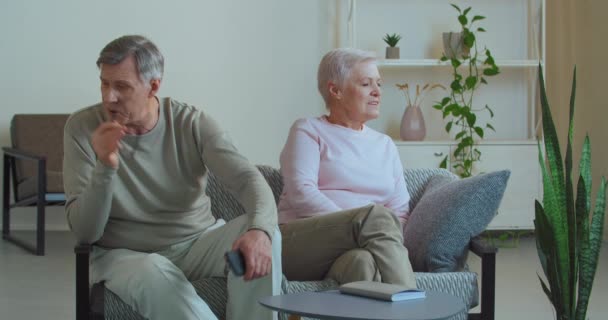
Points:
x=334, y=305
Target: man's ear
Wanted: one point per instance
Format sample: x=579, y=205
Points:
x=334, y=91
x=154, y=87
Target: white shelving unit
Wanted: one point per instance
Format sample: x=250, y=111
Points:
x=516, y=36
x=436, y=63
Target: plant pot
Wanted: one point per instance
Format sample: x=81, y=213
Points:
x=392, y=52
x=453, y=45
x=412, y=124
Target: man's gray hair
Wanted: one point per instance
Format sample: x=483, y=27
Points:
x=149, y=60
x=337, y=65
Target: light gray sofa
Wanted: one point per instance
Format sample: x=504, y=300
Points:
x=104, y=304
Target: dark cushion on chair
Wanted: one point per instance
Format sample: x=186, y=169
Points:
x=449, y=214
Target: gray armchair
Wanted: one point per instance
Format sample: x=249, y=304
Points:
x=33, y=164
x=104, y=304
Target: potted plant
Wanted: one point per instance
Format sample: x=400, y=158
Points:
x=392, y=51
x=567, y=241
x=469, y=72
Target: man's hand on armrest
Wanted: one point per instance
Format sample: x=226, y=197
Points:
x=257, y=251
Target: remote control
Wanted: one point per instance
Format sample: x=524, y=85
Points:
x=236, y=262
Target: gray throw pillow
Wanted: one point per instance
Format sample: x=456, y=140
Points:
x=448, y=215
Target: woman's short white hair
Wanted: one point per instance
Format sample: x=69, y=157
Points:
x=336, y=66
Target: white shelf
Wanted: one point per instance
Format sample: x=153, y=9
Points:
x=393, y=63
x=483, y=142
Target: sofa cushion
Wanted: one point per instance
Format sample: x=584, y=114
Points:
x=448, y=215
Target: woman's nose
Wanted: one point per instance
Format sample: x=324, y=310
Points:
x=377, y=91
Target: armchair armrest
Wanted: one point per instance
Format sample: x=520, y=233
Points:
x=13, y=153
x=487, y=253
x=18, y=153
x=82, y=280
x=481, y=248
x=89, y=305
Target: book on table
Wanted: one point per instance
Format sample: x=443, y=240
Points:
x=382, y=291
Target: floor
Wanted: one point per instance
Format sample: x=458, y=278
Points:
x=33, y=287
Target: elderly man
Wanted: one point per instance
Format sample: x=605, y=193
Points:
x=135, y=172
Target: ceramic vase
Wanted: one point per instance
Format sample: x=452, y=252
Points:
x=412, y=124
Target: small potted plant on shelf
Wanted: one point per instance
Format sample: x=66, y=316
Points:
x=392, y=51
x=469, y=72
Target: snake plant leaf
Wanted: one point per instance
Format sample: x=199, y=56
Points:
x=582, y=229
x=545, y=289
x=590, y=257
x=546, y=250
x=583, y=198
x=550, y=136
x=542, y=239
x=554, y=200
x=584, y=249
x=585, y=173
x=556, y=285
x=569, y=194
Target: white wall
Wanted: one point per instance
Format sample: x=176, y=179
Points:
x=250, y=64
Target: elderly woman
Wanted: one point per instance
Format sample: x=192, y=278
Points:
x=344, y=197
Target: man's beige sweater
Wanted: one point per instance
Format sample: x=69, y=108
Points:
x=156, y=197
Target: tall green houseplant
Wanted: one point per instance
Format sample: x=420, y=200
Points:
x=469, y=72
x=568, y=241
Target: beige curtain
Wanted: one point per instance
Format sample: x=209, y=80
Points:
x=577, y=34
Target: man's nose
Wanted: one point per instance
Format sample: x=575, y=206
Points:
x=110, y=95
